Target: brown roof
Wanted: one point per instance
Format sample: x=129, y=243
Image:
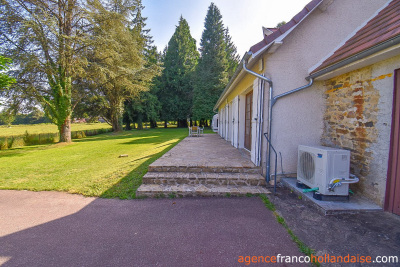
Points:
x=284, y=28
x=384, y=26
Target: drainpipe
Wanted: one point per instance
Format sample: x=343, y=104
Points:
x=260, y=119
x=272, y=102
x=269, y=81
x=311, y=81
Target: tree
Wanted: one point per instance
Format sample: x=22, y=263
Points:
x=146, y=107
x=211, y=72
x=5, y=80
x=231, y=54
x=118, y=67
x=45, y=40
x=7, y=116
x=280, y=24
x=180, y=61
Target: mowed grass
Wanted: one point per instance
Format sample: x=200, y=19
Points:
x=90, y=166
x=47, y=128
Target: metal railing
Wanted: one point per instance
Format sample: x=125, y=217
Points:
x=276, y=159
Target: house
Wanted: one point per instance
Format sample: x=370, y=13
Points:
x=214, y=123
x=361, y=84
x=279, y=90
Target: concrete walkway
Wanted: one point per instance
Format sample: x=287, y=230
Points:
x=208, y=150
x=58, y=229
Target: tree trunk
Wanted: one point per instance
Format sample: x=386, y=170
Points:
x=116, y=125
x=128, y=123
x=116, y=119
x=139, y=122
x=182, y=123
x=65, y=131
x=165, y=124
x=153, y=124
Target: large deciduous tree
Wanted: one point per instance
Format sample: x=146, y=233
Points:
x=45, y=39
x=176, y=92
x=5, y=80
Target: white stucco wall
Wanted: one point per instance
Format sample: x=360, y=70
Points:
x=298, y=118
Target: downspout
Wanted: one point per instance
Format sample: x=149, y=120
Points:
x=269, y=81
x=260, y=120
x=311, y=81
x=272, y=102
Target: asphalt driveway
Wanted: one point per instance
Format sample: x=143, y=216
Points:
x=59, y=229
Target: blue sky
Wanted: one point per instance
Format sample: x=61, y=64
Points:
x=244, y=18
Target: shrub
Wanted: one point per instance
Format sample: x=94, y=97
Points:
x=17, y=141
x=4, y=143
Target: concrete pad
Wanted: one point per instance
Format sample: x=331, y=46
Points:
x=69, y=230
x=355, y=204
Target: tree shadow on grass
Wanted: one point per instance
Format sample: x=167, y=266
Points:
x=158, y=132
x=111, y=136
x=127, y=186
x=20, y=151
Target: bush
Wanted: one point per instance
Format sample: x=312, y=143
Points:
x=78, y=135
x=17, y=141
x=4, y=143
x=44, y=138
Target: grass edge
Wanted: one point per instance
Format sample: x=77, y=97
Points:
x=303, y=248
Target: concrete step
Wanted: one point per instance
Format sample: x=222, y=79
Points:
x=184, y=190
x=205, y=178
x=199, y=169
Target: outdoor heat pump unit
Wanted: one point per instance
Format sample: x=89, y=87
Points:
x=325, y=169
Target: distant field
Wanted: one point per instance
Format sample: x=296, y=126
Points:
x=47, y=128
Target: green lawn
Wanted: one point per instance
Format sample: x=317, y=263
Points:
x=89, y=166
x=47, y=128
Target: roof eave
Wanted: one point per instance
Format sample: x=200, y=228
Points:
x=359, y=56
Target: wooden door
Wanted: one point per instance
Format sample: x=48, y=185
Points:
x=247, y=124
x=392, y=198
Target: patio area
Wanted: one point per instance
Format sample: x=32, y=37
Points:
x=203, y=166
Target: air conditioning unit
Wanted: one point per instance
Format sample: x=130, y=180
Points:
x=325, y=168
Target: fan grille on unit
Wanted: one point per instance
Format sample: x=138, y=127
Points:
x=307, y=166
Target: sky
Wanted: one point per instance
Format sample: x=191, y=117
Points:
x=244, y=18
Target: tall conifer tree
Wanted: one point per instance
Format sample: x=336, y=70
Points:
x=180, y=60
x=212, y=70
x=231, y=54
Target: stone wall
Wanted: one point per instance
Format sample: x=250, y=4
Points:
x=350, y=122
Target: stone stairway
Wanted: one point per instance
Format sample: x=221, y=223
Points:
x=202, y=166
x=182, y=181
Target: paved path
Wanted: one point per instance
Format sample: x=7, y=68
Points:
x=58, y=229
x=207, y=150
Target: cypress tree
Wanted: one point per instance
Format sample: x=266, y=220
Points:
x=176, y=90
x=211, y=72
x=231, y=54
